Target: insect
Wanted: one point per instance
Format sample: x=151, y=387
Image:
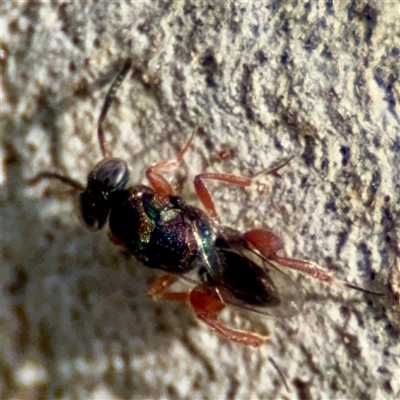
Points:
x=225, y=266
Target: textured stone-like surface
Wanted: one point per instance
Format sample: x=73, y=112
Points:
x=313, y=80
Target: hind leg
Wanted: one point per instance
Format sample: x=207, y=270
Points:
x=267, y=243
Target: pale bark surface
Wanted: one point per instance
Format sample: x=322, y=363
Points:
x=268, y=80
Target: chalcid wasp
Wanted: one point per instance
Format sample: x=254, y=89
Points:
x=225, y=267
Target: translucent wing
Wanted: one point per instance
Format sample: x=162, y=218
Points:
x=280, y=296
x=244, y=278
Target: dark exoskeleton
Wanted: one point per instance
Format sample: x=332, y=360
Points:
x=164, y=232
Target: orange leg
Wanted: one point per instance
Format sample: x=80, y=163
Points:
x=306, y=267
x=204, y=195
x=154, y=173
x=158, y=287
x=267, y=243
x=206, y=304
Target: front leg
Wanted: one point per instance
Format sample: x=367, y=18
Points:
x=154, y=173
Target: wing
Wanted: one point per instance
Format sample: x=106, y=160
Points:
x=272, y=292
x=245, y=279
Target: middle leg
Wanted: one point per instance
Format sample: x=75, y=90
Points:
x=157, y=289
x=237, y=180
x=207, y=305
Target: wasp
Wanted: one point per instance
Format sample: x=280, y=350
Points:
x=226, y=267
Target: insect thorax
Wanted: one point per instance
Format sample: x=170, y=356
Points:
x=155, y=228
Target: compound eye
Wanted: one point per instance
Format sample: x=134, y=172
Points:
x=111, y=174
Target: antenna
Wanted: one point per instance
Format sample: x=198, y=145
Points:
x=107, y=103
